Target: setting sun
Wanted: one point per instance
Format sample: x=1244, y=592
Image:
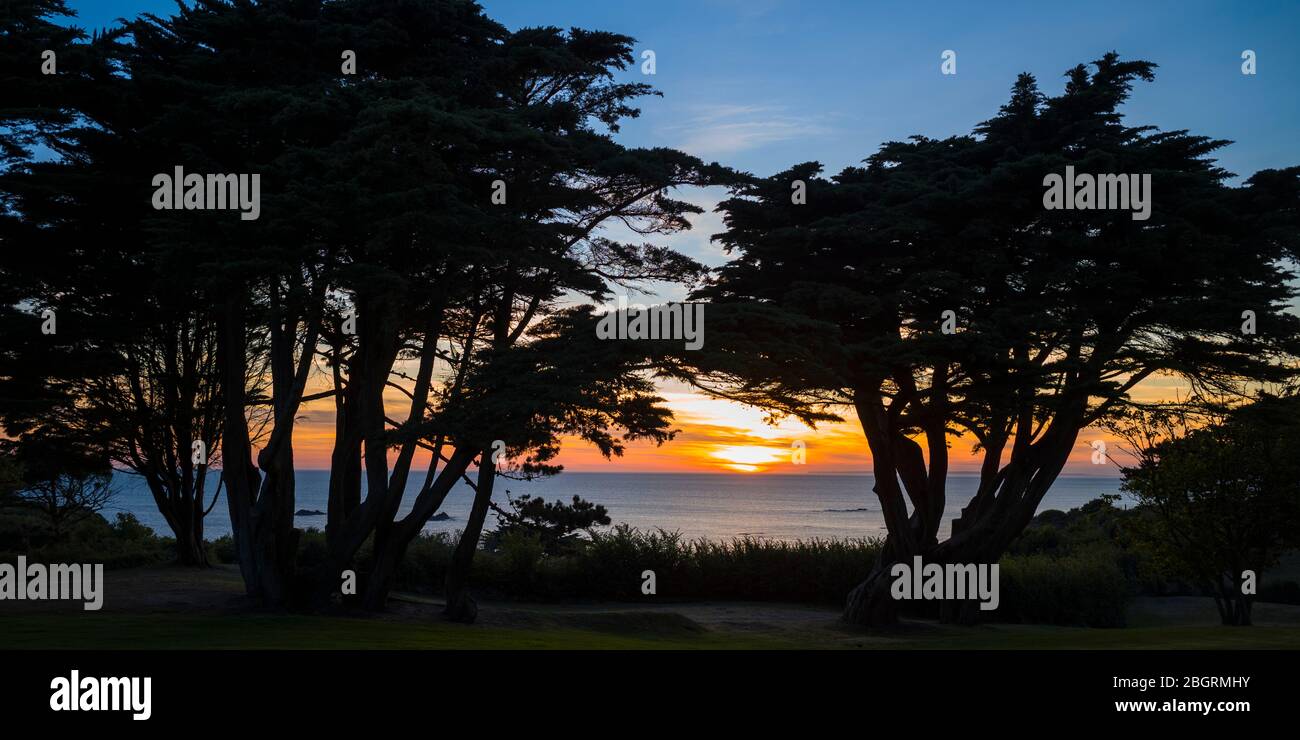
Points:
x=747, y=459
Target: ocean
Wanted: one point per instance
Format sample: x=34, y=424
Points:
x=715, y=506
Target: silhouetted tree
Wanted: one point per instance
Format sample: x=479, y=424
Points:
x=555, y=524
x=107, y=337
x=1055, y=315
x=67, y=498
x=35, y=102
x=11, y=477
x=64, y=476
x=1223, y=488
x=380, y=261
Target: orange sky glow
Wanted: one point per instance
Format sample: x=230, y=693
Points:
x=717, y=436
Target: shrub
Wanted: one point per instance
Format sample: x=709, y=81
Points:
x=222, y=550
x=558, y=527
x=1280, y=592
x=520, y=554
x=125, y=543
x=1086, y=589
x=425, y=566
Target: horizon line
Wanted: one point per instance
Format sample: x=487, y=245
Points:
x=738, y=474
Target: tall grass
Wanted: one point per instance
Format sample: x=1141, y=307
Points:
x=1085, y=588
x=814, y=571
x=612, y=564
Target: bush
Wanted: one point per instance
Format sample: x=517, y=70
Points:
x=520, y=554
x=1280, y=592
x=425, y=566
x=1062, y=573
x=610, y=566
x=1086, y=589
x=23, y=529
x=125, y=543
x=222, y=550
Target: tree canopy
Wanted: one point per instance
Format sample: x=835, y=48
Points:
x=1052, y=316
x=1222, y=486
x=429, y=225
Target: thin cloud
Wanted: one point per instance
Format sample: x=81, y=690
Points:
x=718, y=130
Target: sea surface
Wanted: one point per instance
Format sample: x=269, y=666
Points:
x=714, y=506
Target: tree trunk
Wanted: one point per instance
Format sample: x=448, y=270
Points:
x=183, y=513
x=1001, y=509
x=870, y=603
x=389, y=555
x=186, y=520
x=380, y=580
x=1234, y=607
x=189, y=547
x=241, y=476
x=460, y=606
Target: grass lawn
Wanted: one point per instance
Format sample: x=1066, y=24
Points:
x=167, y=607
x=118, y=631
x=164, y=631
